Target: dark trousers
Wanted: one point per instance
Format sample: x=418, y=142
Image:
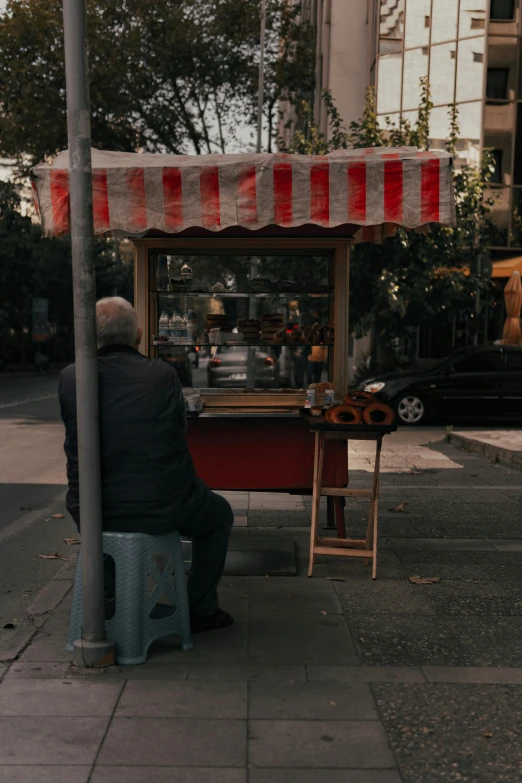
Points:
x=209, y=528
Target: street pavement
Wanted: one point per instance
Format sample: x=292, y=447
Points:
x=334, y=679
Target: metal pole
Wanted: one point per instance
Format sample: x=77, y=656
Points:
x=251, y=355
x=261, y=88
x=93, y=649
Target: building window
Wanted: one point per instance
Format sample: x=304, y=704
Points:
x=502, y=10
x=477, y=24
x=496, y=176
x=478, y=57
x=497, y=83
x=426, y=21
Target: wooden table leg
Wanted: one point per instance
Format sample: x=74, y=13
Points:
x=340, y=503
x=316, y=499
x=330, y=513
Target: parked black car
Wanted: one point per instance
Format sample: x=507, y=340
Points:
x=476, y=383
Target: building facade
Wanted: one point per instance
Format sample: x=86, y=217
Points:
x=471, y=52
x=343, y=54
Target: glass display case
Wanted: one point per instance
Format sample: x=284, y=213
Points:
x=229, y=320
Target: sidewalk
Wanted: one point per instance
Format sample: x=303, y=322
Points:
x=335, y=679
x=502, y=446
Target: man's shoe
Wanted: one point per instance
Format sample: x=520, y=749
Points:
x=220, y=619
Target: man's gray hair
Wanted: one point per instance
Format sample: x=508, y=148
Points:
x=116, y=322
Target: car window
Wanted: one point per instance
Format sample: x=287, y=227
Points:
x=514, y=361
x=487, y=361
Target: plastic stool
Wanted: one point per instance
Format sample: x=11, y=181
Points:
x=139, y=620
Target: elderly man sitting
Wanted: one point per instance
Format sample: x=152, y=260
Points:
x=149, y=482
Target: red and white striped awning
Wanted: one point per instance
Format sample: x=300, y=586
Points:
x=134, y=193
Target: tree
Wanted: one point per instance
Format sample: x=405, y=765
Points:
x=34, y=267
x=16, y=265
x=411, y=277
x=165, y=75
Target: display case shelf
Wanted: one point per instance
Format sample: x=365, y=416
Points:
x=235, y=295
x=243, y=345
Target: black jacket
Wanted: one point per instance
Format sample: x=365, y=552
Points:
x=149, y=482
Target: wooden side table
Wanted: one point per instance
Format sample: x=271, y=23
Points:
x=345, y=547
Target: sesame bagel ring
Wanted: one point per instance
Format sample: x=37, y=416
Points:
x=343, y=414
x=360, y=399
x=378, y=413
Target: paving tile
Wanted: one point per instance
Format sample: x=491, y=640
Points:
x=175, y=742
x=508, y=547
x=47, y=774
x=473, y=674
x=453, y=732
x=344, y=674
x=145, y=699
x=317, y=744
x=162, y=774
x=37, y=671
x=228, y=645
x=290, y=585
x=278, y=518
x=72, y=740
x=47, y=648
x=57, y=698
x=282, y=638
x=297, y=601
x=147, y=671
x=247, y=673
x=324, y=776
x=48, y=599
x=240, y=520
x=315, y=700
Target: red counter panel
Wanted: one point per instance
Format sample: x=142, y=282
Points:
x=261, y=453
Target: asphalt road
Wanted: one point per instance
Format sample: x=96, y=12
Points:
x=32, y=486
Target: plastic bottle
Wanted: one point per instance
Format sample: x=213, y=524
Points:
x=164, y=324
x=186, y=272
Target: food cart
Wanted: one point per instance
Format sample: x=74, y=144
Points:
x=222, y=240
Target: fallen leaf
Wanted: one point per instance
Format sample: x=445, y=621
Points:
x=323, y=612
x=424, y=580
x=425, y=730
x=333, y=704
x=474, y=475
x=58, y=516
x=400, y=508
x=335, y=579
x=25, y=508
x=415, y=472
x=488, y=733
x=9, y=625
x=56, y=556
x=71, y=541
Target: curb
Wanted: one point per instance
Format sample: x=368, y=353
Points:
x=507, y=457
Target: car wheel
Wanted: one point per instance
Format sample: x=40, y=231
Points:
x=410, y=409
